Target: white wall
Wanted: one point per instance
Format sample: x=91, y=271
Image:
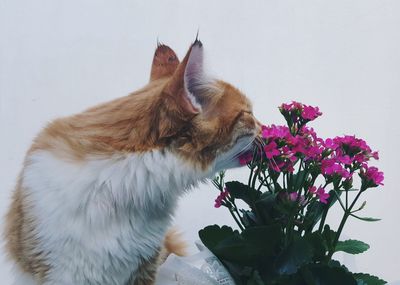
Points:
x=59, y=57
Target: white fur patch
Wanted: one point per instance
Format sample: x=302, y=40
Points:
x=22, y=278
x=97, y=219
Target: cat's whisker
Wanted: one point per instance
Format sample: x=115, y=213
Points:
x=241, y=151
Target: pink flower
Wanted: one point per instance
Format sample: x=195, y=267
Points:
x=350, y=153
x=314, y=151
x=294, y=109
x=360, y=158
x=271, y=150
x=320, y=193
x=375, y=155
x=245, y=158
x=294, y=197
x=330, y=143
x=221, y=198
x=345, y=159
x=355, y=147
x=312, y=189
x=291, y=106
x=286, y=107
x=274, y=132
x=330, y=167
x=372, y=175
x=310, y=113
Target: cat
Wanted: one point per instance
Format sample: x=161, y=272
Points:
x=97, y=192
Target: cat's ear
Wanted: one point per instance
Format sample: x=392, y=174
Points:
x=188, y=82
x=164, y=63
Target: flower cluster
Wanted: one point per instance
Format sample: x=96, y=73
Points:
x=283, y=149
x=297, y=111
x=245, y=158
x=297, y=114
x=349, y=155
x=371, y=176
x=295, y=178
x=320, y=193
x=221, y=198
x=334, y=158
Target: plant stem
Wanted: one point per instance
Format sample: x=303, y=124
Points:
x=234, y=209
x=325, y=213
x=342, y=223
x=250, y=176
x=261, y=184
x=284, y=180
x=253, y=182
x=323, y=218
x=236, y=219
x=266, y=181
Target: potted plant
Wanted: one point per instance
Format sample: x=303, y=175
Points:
x=295, y=177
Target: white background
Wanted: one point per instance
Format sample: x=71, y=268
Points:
x=60, y=57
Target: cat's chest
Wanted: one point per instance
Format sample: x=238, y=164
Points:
x=109, y=255
x=104, y=216
x=106, y=190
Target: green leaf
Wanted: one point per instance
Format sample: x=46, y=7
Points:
x=255, y=279
x=241, y=191
x=212, y=235
x=325, y=275
x=366, y=219
x=329, y=237
x=352, y=246
x=265, y=207
x=335, y=263
x=299, y=180
x=251, y=245
x=361, y=207
x=318, y=244
x=294, y=256
x=245, y=248
x=353, y=190
x=249, y=218
x=367, y=279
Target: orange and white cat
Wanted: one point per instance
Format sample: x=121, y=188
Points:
x=95, y=198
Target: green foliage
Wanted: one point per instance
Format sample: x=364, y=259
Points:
x=366, y=219
x=241, y=191
x=246, y=248
x=366, y=279
x=212, y=235
x=352, y=246
x=255, y=279
x=326, y=275
x=297, y=254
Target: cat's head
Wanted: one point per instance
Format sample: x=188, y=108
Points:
x=208, y=121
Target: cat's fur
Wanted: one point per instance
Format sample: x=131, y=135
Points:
x=95, y=197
